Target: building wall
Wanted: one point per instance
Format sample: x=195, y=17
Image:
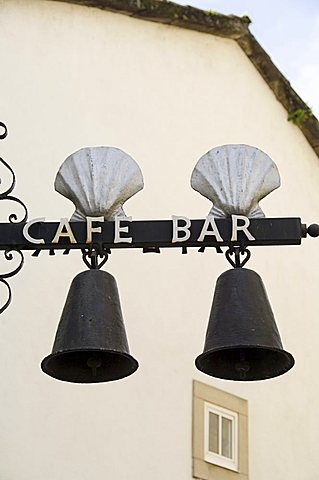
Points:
x=74, y=76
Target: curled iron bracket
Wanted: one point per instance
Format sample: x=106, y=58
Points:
x=237, y=262
x=13, y=218
x=95, y=256
x=8, y=255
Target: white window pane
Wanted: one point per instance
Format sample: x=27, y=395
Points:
x=213, y=433
x=227, y=437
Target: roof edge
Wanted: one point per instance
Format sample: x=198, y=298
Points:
x=163, y=11
x=227, y=26
x=298, y=110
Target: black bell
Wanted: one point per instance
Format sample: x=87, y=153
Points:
x=91, y=345
x=242, y=339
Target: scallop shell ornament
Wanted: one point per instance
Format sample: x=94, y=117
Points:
x=98, y=180
x=235, y=178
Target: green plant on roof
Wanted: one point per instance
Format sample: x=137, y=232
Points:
x=299, y=115
x=211, y=12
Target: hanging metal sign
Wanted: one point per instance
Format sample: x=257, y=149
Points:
x=127, y=233
x=99, y=180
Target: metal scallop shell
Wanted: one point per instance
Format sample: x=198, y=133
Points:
x=98, y=180
x=235, y=178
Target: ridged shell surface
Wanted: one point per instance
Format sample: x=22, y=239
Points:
x=98, y=180
x=235, y=178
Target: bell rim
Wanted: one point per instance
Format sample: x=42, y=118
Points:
x=288, y=356
x=45, y=363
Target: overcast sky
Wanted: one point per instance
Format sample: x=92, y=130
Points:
x=288, y=30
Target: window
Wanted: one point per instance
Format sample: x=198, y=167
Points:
x=220, y=434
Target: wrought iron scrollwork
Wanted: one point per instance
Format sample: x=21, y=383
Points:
x=4, y=131
x=9, y=255
x=95, y=256
x=237, y=262
x=13, y=218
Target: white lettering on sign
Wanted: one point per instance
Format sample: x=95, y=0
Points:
x=240, y=228
x=210, y=222
x=26, y=234
x=118, y=230
x=90, y=229
x=64, y=223
x=180, y=228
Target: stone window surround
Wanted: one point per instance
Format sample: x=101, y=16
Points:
x=203, y=393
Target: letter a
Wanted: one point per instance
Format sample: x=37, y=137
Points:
x=210, y=222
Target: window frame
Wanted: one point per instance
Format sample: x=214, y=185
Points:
x=218, y=458
x=201, y=468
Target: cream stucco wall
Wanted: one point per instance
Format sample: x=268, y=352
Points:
x=74, y=76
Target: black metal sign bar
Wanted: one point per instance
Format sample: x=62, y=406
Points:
x=153, y=234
